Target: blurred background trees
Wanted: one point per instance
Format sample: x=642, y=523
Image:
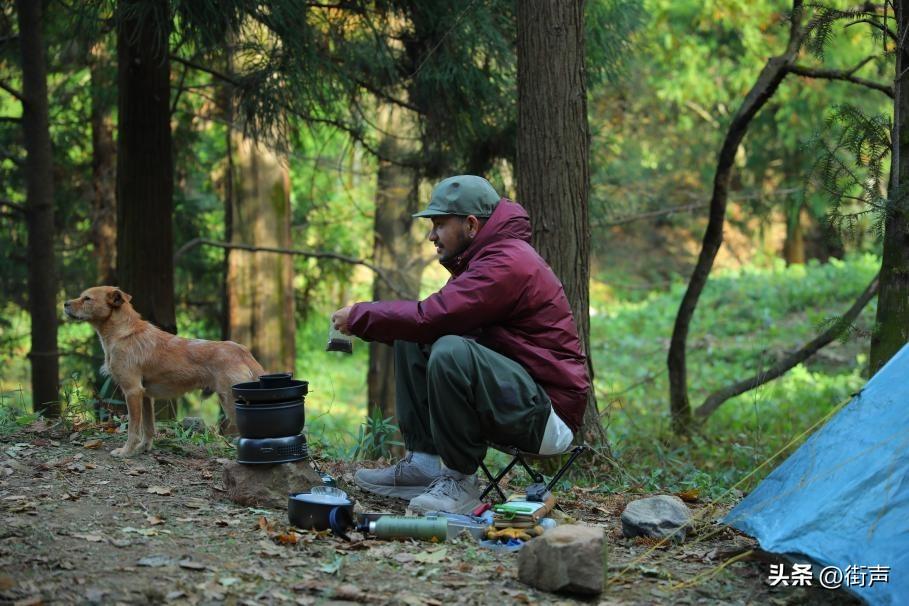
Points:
x=184, y=135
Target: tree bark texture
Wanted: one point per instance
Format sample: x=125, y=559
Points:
x=104, y=169
x=261, y=283
x=42, y=273
x=395, y=249
x=767, y=82
x=891, y=331
x=553, y=145
x=145, y=172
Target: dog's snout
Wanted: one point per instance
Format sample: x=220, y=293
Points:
x=66, y=304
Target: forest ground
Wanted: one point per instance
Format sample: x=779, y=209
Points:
x=80, y=526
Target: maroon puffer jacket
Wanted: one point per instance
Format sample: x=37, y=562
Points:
x=504, y=294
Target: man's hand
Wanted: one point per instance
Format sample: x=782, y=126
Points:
x=339, y=319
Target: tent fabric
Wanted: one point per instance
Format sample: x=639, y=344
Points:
x=842, y=498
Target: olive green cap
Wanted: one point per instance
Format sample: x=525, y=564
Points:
x=462, y=195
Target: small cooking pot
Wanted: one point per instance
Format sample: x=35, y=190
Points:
x=321, y=511
x=270, y=420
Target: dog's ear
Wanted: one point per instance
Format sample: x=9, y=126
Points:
x=117, y=297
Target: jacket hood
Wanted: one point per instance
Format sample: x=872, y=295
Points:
x=508, y=221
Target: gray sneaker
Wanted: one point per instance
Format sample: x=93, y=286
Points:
x=451, y=492
x=404, y=481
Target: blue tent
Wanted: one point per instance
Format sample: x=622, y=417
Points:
x=842, y=499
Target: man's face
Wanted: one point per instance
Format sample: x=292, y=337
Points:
x=450, y=235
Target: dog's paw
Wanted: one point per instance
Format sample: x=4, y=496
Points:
x=145, y=446
x=122, y=452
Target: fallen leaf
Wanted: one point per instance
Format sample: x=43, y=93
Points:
x=191, y=565
x=92, y=537
x=174, y=595
x=146, y=532
x=288, y=538
x=431, y=557
x=404, y=558
x=93, y=444
x=159, y=490
x=196, y=503
x=228, y=581
x=155, y=561
x=154, y=520
x=6, y=582
x=689, y=496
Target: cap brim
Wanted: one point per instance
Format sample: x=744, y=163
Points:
x=431, y=213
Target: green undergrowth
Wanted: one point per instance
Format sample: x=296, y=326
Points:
x=745, y=321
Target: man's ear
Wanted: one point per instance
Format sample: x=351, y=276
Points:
x=117, y=297
x=473, y=225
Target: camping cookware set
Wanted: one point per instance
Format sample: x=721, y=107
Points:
x=270, y=417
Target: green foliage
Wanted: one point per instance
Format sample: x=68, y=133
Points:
x=850, y=168
x=746, y=320
x=374, y=439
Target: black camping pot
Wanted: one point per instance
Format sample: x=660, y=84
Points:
x=274, y=420
x=321, y=512
x=254, y=392
x=271, y=451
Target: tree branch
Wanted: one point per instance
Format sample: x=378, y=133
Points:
x=846, y=75
x=717, y=398
x=12, y=91
x=353, y=132
x=290, y=251
x=19, y=208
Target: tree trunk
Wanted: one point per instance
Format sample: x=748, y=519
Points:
x=553, y=154
x=261, y=283
x=891, y=331
x=395, y=249
x=104, y=169
x=42, y=272
x=794, y=245
x=145, y=172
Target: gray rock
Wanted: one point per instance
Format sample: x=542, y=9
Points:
x=656, y=517
x=268, y=485
x=193, y=425
x=568, y=559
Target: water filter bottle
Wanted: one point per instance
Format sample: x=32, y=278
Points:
x=429, y=528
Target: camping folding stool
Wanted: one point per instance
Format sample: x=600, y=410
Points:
x=520, y=456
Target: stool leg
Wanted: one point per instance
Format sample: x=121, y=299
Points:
x=494, y=481
x=534, y=474
x=575, y=453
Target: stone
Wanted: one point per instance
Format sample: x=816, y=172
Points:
x=570, y=559
x=656, y=517
x=268, y=485
x=193, y=425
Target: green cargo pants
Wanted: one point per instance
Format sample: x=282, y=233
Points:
x=454, y=396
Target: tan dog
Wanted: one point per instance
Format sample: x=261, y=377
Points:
x=148, y=362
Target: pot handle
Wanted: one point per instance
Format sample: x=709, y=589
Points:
x=339, y=521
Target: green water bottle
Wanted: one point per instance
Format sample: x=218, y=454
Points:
x=429, y=528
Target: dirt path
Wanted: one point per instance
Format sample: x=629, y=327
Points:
x=79, y=526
